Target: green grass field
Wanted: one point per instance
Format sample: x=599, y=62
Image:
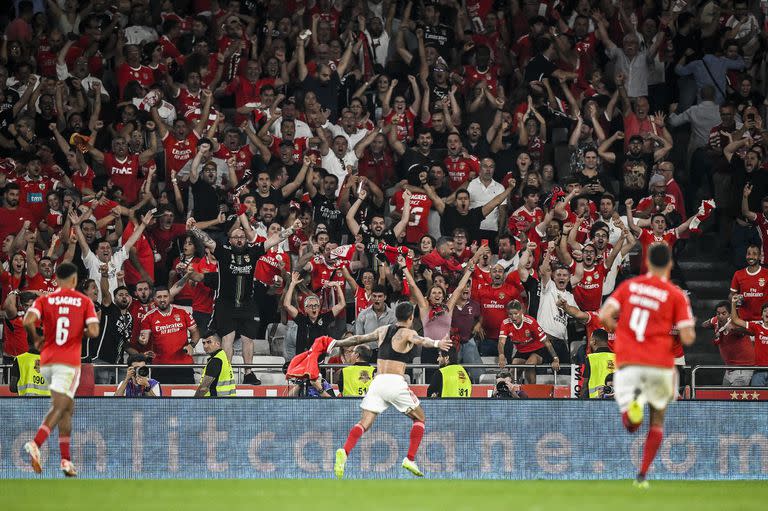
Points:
x=422, y=495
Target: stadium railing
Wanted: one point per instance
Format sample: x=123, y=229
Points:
x=721, y=368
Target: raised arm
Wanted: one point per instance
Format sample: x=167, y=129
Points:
x=501, y=197
x=735, y=319
x=630, y=219
x=749, y=215
x=139, y=230
x=400, y=227
x=288, y=295
x=603, y=149
x=421, y=302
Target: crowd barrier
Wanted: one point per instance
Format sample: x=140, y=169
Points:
x=467, y=439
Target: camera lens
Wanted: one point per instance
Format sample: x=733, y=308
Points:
x=142, y=371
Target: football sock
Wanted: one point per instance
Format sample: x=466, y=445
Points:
x=64, y=448
x=354, y=435
x=652, y=443
x=42, y=434
x=417, y=432
x=629, y=426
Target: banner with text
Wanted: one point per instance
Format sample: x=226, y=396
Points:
x=465, y=439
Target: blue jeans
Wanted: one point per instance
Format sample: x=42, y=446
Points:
x=469, y=354
x=759, y=379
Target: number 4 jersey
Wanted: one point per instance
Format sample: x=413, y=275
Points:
x=64, y=314
x=649, y=309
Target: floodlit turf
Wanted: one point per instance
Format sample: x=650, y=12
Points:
x=422, y=495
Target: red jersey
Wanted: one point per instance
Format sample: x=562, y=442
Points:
x=418, y=223
x=588, y=293
x=472, y=76
x=141, y=74
x=735, y=347
x=362, y=300
x=15, y=336
x=299, y=147
x=271, y=265
x=178, y=152
x=202, y=299
x=189, y=104
x=380, y=169
x=523, y=219
x=404, y=126
x=460, y=168
x=762, y=230
x=11, y=220
x=8, y=282
x=144, y=253
x=168, y=334
x=649, y=309
x=760, y=332
x=32, y=195
x=322, y=273
x=493, y=301
x=594, y=323
x=753, y=287
x=139, y=311
x=84, y=179
x=647, y=238
x=64, y=314
x=527, y=336
x=40, y=283
x=186, y=293
x=243, y=157
x=125, y=174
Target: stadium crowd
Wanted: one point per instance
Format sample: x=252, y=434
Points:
x=214, y=167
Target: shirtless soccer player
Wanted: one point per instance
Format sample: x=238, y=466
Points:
x=64, y=315
x=648, y=308
x=389, y=386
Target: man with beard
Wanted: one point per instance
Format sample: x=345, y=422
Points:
x=493, y=299
x=326, y=210
x=40, y=273
x=657, y=233
x=122, y=167
x=139, y=307
x=236, y=311
x=12, y=217
x=422, y=154
x=327, y=82
x=376, y=231
x=173, y=334
x=750, y=285
x=117, y=325
x=554, y=288
x=475, y=143
x=460, y=215
x=633, y=167
x=34, y=187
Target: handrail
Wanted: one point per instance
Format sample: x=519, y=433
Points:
x=721, y=368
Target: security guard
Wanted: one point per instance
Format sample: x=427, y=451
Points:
x=25, y=378
x=217, y=380
x=355, y=379
x=600, y=365
x=451, y=380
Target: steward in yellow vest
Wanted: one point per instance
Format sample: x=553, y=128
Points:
x=217, y=380
x=25, y=378
x=600, y=366
x=451, y=380
x=355, y=379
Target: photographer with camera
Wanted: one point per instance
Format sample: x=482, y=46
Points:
x=600, y=366
x=137, y=382
x=507, y=388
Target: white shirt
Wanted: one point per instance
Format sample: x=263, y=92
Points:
x=338, y=167
x=93, y=265
x=352, y=139
x=62, y=73
x=302, y=128
x=552, y=319
x=138, y=34
x=480, y=195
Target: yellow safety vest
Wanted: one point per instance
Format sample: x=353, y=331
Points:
x=601, y=365
x=357, y=379
x=225, y=386
x=456, y=382
x=31, y=382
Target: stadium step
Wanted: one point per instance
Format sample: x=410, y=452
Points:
x=708, y=289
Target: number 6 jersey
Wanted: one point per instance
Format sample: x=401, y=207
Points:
x=64, y=314
x=649, y=309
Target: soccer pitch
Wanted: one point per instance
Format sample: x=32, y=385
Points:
x=422, y=495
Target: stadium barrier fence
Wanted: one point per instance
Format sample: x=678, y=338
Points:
x=465, y=439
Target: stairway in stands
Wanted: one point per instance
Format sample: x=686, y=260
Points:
x=707, y=272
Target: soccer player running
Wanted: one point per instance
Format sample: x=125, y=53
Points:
x=643, y=311
x=389, y=386
x=64, y=315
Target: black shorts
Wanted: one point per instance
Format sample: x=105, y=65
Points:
x=243, y=321
x=542, y=352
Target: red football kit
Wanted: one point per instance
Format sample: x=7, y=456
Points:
x=649, y=309
x=418, y=224
x=168, y=334
x=647, y=238
x=588, y=293
x=64, y=315
x=753, y=288
x=594, y=323
x=760, y=331
x=459, y=169
x=125, y=174
x=527, y=336
x=493, y=302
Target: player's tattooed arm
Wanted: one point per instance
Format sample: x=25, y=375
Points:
x=358, y=339
x=205, y=385
x=443, y=344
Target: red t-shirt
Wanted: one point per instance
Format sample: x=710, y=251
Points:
x=418, y=223
x=202, y=298
x=15, y=337
x=124, y=174
x=40, y=283
x=144, y=253
x=588, y=293
x=735, y=348
x=753, y=287
x=527, y=336
x=64, y=314
x=760, y=332
x=11, y=220
x=162, y=239
x=187, y=292
x=83, y=180
x=647, y=238
x=141, y=74
x=593, y=324
x=178, y=152
x=523, y=220
x=459, y=169
x=404, y=126
x=649, y=309
x=243, y=157
x=268, y=266
x=322, y=273
x=32, y=195
x=168, y=334
x=362, y=300
x=493, y=301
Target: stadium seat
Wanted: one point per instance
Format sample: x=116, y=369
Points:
x=272, y=378
x=490, y=360
x=260, y=347
x=267, y=359
x=276, y=337
x=417, y=372
x=488, y=379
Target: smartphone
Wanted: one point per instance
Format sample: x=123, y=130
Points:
x=483, y=243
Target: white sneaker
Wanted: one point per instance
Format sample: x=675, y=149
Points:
x=34, y=456
x=68, y=468
x=412, y=467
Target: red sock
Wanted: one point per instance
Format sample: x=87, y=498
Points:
x=42, y=434
x=652, y=443
x=417, y=431
x=354, y=435
x=64, y=448
x=629, y=426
